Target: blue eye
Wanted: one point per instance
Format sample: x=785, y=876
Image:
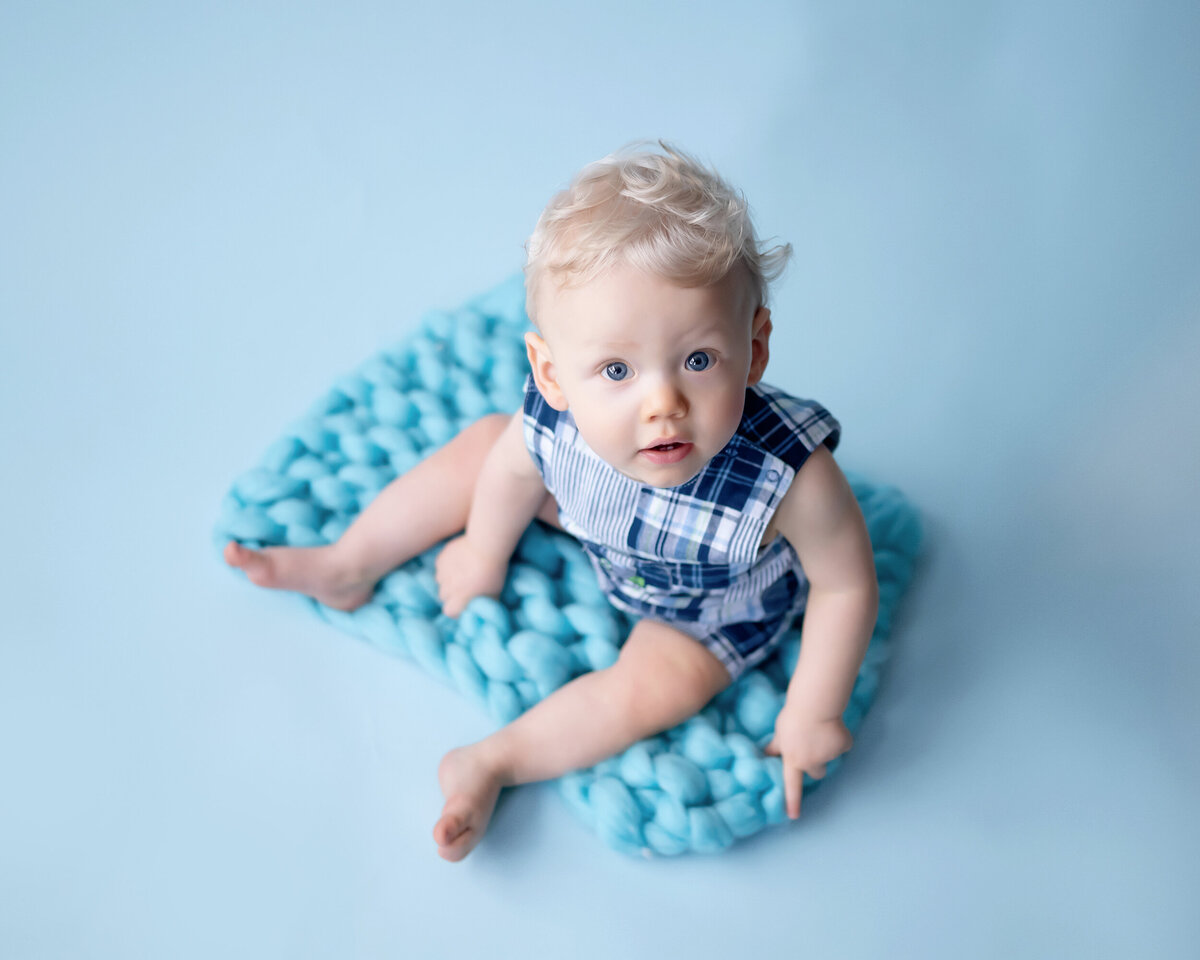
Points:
x=616, y=371
x=698, y=361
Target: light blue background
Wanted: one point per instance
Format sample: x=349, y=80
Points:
x=207, y=212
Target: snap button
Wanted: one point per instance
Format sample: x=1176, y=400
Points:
x=773, y=475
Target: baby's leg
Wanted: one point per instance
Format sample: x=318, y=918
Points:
x=419, y=508
x=661, y=678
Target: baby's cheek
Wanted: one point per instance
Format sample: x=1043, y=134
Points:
x=732, y=406
x=601, y=432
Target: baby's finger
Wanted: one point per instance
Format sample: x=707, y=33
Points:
x=451, y=600
x=793, y=788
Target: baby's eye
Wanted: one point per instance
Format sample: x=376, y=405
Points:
x=616, y=371
x=698, y=361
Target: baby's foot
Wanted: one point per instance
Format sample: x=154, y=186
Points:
x=470, y=787
x=315, y=571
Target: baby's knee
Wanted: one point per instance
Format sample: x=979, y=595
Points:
x=667, y=675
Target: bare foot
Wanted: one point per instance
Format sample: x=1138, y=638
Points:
x=470, y=787
x=314, y=571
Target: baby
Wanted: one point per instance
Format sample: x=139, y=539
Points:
x=709, y=503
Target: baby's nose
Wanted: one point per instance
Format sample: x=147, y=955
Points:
x=664, y=400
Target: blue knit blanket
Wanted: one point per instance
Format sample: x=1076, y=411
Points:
x=698, y=787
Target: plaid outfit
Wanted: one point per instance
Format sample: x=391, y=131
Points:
x=691, y=555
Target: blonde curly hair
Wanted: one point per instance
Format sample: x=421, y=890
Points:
x=662, y=212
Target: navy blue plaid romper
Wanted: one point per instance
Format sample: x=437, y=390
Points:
x=692, y=555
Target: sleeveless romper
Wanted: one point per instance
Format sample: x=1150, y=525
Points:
x=692, y=555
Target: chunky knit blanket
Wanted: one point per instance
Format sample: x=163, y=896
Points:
x=698, y=787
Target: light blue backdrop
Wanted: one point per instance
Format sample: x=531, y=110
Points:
x=209, y=211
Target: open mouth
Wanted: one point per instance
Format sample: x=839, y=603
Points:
x=671, y=452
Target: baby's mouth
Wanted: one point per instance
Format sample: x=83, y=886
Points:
x=670, y=452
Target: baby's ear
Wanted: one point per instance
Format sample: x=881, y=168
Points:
x=760, y=340
x=542, y=365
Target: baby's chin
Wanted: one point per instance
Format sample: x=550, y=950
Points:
x=663, y=477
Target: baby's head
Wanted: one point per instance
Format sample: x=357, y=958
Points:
x=661, y=212
x=648, y=289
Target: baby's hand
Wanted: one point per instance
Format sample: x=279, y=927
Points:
x=464, y=573
x=806, y=745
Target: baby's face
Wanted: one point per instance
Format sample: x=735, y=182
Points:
x=654, y=374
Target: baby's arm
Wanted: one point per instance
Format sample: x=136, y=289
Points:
x=821, y=519
x=508, y=493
